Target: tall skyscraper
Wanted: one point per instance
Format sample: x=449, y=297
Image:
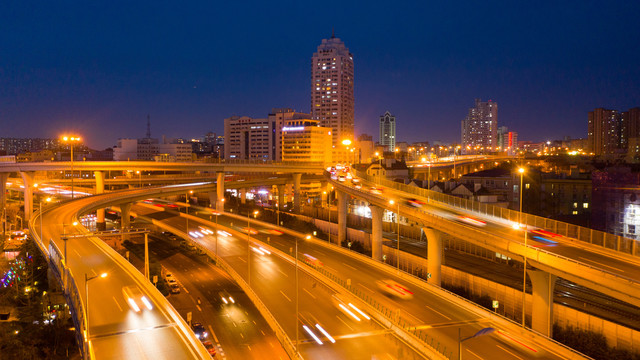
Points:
x=332, y=99
x=606, y=132
x=480, y=127
x=388, y=131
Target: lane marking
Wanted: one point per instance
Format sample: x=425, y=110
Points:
x=601, y=264
x=286, y=297
x=76, y=251
x=438, y=312
x=263, y=334
x=199, y=309
x=366, y=287
x=243, y=260
x=249, y=346
x=509, y=352
x=282, y=272
x=474, y=354
x=344, y=322
x=347, y=265
x=116, y=301
x=307, y=291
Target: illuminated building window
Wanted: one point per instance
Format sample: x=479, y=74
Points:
x=585, y=205
x=575, y=212
x=575, y=205
x=526, y=186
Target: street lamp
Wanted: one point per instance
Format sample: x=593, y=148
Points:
x=397, y=221
x=47, y=200
x=216, y=213
x=521, y=170
x=86, y=308
x=255, y=213
x=71, y=140
x=139, y=177
x=482, y=332
x=347, y=143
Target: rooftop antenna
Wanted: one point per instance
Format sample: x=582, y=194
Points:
x=148, y=126
x=333, y=33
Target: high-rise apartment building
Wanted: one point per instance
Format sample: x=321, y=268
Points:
x=388, y=131
x=507, y=140
x=606, y=132
x=332, y=100
x=480, y=127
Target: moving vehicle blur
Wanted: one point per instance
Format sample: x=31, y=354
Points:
x=392, y=288
x=136, y=299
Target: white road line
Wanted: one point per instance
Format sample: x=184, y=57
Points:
x=344, y=322
x=347, y=265
x=263, y=334
x=282, y=272
x=365, y=287
x=509, y=352
x=310, y=294
x=249, y=347
x=320, y=252
x=438, y=312
x=76, y=251
x=474, y=354
x=243, y=260
x=286, y=297
x=601, y=264
x=199, y=309
x=185, y=290
x=116, y=301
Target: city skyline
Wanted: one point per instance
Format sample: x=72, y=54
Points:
x=99, y=70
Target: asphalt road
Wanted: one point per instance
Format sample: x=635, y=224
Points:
x=272, y=279
x=116, y=331
x=237, y=329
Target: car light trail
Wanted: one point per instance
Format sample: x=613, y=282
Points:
x=312, y=334
x=349, y=312
x=359, y=311
x=325, y=333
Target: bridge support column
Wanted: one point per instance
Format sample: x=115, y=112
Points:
x=3, y=200
x=376, y=232
x=243, y=195
x=542, y=312
x=296, y=193
x=434, y=255
x=125, y=224
x=100, y=223
x=342, y=216
x=219, y=191
x=27, y=179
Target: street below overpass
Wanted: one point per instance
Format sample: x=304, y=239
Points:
x=273, y=279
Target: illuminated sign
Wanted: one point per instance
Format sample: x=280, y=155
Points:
x=293, y=128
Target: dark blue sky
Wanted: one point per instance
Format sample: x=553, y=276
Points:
x=99, y=68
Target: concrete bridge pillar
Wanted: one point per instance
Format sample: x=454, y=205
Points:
x=542, y=312
x=3, y=198
x=125, y=224
x=296, y=193
x=434, y=255
x=220, y=191
x=100, y=223
x=280, y=196
x=342, y=216
x=27, y=179
x=243, y=195
x=376, y=232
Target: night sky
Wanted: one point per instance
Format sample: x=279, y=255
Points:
x=98, y=69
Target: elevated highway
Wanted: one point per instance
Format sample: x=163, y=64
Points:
x=549, y=247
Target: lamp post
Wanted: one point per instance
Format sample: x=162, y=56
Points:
x=347, y=143
x=71, y=140
x=255, y=213
x=398, y=222
x=47, y=200
x=485, y=331
x=86, y=308
x=524, y=277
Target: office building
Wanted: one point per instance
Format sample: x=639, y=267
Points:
x=303, y=140
x=388, y=131
x=480, y=127
x=15, y=146
x=332, y=100
x=148, y=149
x=247, y=138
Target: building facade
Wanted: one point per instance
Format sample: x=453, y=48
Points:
x=303, y=140
x=148, y=149
x=332, y=100
x=388, y=131
x=606, y=132
x=15, y=146
x=480, y=127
